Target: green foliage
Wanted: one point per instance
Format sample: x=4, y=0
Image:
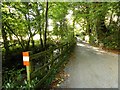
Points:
x=21, y=21
x=112, y=42
x=10, y=78
x=14, y=79
x=100, y=22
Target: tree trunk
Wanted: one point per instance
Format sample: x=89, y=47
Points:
x=29, y=29
x=8, y=26
x=74, y=26
x=10, y=36
x=33, y=43
x=101, y=28
x=39, y=27
x=28, y=42
x=46, y=25
x=110, y=19
x=40, y=33
x=4, y=36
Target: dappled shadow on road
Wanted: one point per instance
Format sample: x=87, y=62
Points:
x=89, y=48
x=91, y=67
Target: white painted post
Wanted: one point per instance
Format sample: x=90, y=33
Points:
x=27, y=64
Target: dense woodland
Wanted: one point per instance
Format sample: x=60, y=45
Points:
x=38, y=26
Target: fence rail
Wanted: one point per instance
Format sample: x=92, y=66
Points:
x=46, y=63
x=43, y=67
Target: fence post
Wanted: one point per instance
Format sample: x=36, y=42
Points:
x=28, y=74
x=27, y=64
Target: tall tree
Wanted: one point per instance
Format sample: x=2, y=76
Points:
x=46, y=25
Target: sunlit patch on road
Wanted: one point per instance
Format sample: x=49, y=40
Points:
x=91, y=67
x=79, y=44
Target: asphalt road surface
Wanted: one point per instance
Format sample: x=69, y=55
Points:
x=91, y=67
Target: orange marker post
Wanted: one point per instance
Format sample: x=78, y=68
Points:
x=27, y=64
x=26, y=59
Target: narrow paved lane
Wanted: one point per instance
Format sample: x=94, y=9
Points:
x=90, y=67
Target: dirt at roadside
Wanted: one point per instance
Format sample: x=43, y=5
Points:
x=60, y=77
x=110, y=50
